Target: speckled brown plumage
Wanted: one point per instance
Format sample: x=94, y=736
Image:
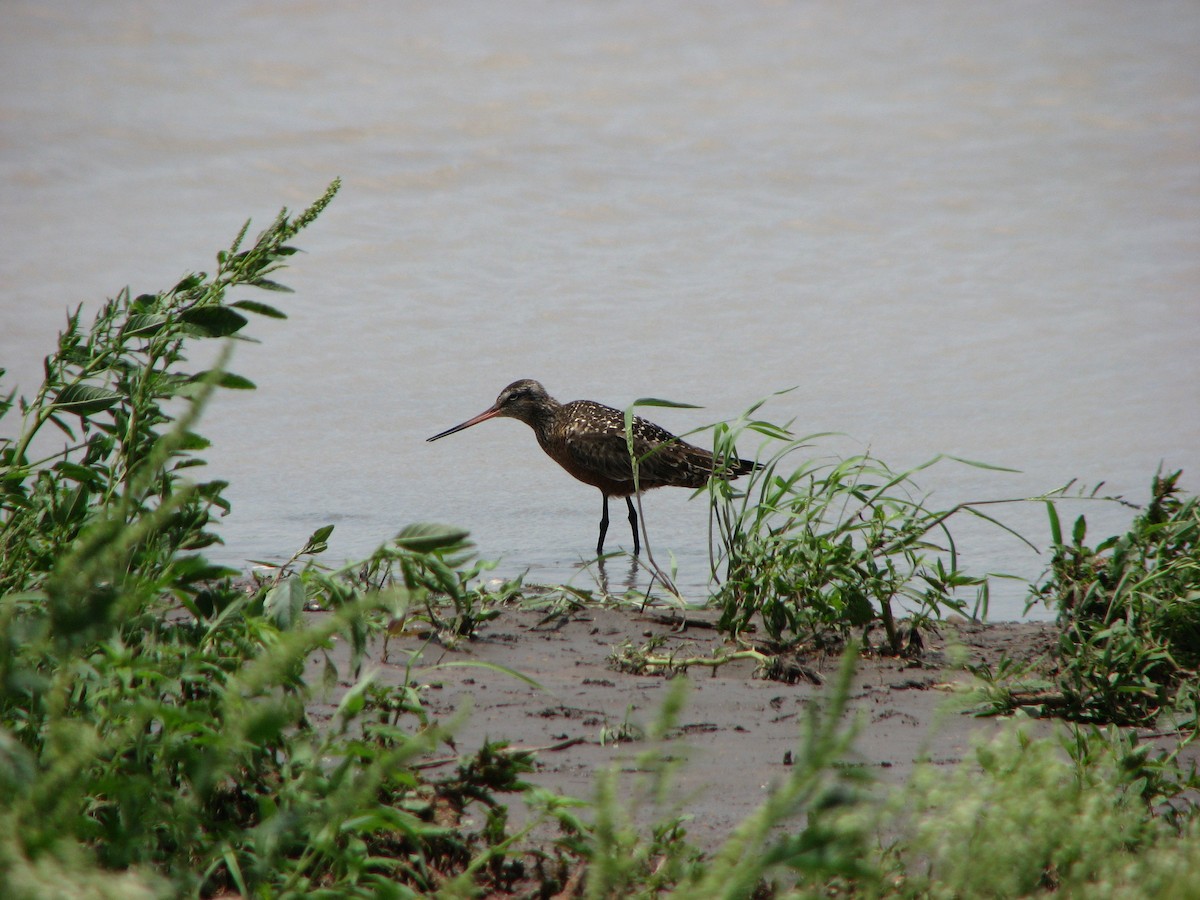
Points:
x=588, y=440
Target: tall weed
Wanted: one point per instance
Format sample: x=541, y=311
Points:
x=112, y=390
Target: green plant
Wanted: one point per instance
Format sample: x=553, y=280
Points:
x=435, y=571
x=185, y=748
x=1129, y=614
x=156, y=732
x=831, y=544
x=1074, y=815
x=180, y=748
x=111, y=389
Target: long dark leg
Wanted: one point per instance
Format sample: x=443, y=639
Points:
x=603, y=528
x=633, y=524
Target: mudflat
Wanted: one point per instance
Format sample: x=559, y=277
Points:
x=738, y=732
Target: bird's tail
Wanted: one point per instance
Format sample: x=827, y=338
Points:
x=736, y=467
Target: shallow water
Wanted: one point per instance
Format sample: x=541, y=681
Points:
x=967, y=228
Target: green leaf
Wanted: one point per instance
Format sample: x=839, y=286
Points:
x=671, y=404
x=424, y=537
x=355, y=699
x=211, y=491
x=189, y=283
x=75, y=507
x=192, y=568
x=213, y=321
x=771, y=430
x=144, y=325
x=266, y=723
x=193, y=441
x=317, y=540
x=62, y=426
x=267, y=285
x=1055, y=524
x=85, y=399
x=981, y=465
x=1080, y=531
x=285, y=602
x=261, y=308
x=225, y=380
x=81, y=474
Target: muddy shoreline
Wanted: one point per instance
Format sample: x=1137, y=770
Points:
x=736, y=731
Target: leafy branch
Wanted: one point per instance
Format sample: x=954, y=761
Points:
x=109, y=388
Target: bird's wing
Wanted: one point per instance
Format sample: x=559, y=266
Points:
x=600, y=452
x=600, y=447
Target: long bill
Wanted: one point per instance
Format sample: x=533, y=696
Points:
x=482, y=417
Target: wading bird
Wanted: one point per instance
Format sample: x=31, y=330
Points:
x=588, y=440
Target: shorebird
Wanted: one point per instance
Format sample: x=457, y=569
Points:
x=588, y=440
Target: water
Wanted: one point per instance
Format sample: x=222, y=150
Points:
x=969, y=228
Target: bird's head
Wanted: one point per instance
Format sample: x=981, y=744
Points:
x=525, y=400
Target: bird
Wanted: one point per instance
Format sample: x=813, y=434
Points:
x=588, y=440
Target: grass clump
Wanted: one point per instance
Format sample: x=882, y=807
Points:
x=831, y=545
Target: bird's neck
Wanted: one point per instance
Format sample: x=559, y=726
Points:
x=541, y=418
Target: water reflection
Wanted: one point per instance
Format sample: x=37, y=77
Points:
x=628, y=585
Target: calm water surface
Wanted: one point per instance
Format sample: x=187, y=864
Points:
x=968, y=228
